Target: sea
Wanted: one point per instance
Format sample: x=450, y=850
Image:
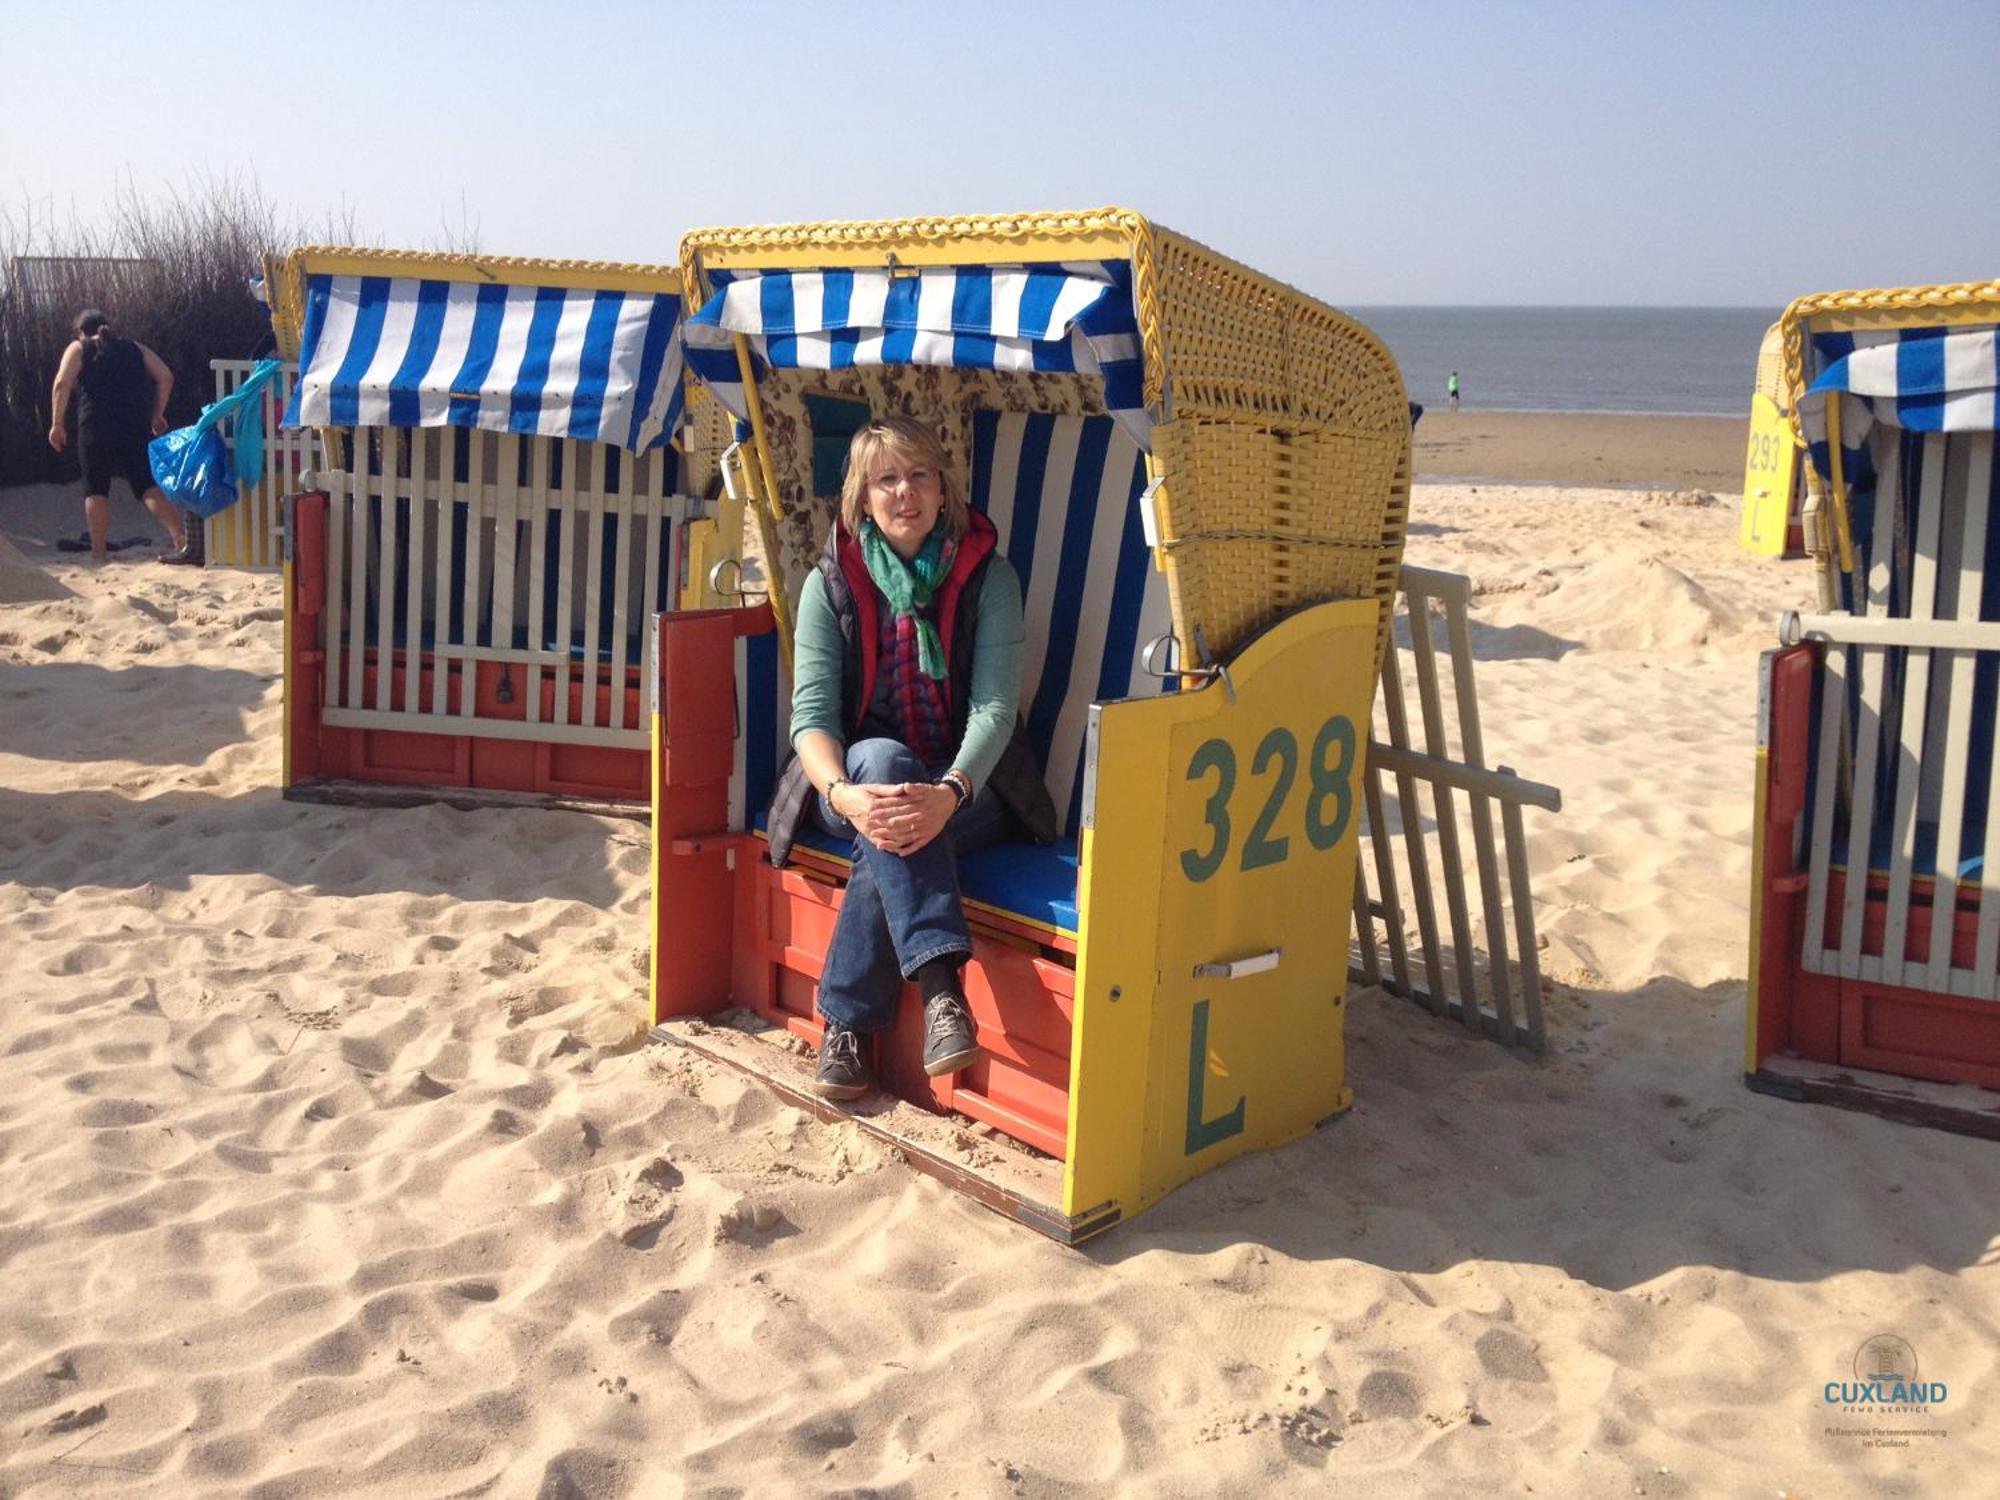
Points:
x=1684, y=361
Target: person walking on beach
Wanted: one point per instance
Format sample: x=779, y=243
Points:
x=1451, y=389
x=123, y=402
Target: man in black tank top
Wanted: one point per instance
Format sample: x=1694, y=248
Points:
x=123, y=388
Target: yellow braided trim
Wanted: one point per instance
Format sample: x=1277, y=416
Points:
x=887, y=234
x=289, y=294
x=286, y=293
x=1284, y=538
x=1968, y=301
x=492, y=267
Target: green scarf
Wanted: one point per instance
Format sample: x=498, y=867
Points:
x=908, y=586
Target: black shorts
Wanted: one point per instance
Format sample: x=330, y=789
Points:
x=105, y=458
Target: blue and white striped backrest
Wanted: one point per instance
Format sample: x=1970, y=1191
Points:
x=1063, y=492
x=1921, y=379
x=401, y=351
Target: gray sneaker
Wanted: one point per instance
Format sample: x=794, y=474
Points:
x=948, y=1040
x=842, y=1072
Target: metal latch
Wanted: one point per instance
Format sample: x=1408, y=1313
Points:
x=1241, y=968
x=1149, y=514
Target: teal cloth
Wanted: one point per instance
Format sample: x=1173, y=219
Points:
x=998, y=644
x=249, y=443
x=908, y=586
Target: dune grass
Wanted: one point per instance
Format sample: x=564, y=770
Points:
x=171, y=270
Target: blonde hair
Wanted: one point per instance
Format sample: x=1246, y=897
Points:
x=907, y=439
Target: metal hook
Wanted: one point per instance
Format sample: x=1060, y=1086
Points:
x=1165, y=637
x=736, y=591
x=1211, y=668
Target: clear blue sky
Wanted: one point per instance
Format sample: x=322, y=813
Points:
x=1445, y=152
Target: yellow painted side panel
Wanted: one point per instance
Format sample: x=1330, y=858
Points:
x=1224, y=834
x=1770, y=470
x=1118, y=905
x=708, y=543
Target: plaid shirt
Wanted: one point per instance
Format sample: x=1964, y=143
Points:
x=919, y=706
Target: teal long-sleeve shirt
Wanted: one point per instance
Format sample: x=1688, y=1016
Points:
x=819, y=660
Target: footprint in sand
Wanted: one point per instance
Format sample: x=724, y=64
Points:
x=1504, y=1353
x=1389, y=1394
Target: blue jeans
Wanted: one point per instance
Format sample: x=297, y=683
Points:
x=900, y=911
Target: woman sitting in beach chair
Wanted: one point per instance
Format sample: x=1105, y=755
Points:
x=1199, y=479
x=907, y=731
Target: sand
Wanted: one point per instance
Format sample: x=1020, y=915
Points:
x=335, y=1162
x=22, y=581
x=1620, y=452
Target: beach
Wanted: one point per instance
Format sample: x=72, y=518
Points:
x=1582, y=448
x=337, y=1161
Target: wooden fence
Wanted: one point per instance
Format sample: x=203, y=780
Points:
x=1906, y=780
x=250, y=534
x=1420, y=858
x=448, y=549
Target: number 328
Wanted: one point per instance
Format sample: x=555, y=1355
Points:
x=1329, y=795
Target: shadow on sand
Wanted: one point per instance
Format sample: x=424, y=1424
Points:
x=78, y=711
x=1497, y=642
x=99, y=837
x=1612, y=1160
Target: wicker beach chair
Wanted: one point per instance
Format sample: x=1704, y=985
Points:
x=1202, y=477
x=499, y=512
x=1876, y=916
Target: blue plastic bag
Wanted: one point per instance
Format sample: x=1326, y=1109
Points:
x=192, y=464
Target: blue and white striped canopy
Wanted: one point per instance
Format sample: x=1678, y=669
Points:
x=1916, y=379
x=1073, y=317
x=395, y=351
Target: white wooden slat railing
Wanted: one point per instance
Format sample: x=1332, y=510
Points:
x=1510, y=1010
x=430, y=572
x=250, y=534
x=1898, y=723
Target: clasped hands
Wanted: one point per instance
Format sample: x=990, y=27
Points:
x=896, y=817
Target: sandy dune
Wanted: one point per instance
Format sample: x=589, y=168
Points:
x=333, y=1162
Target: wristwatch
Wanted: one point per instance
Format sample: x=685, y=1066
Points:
x=961, y=787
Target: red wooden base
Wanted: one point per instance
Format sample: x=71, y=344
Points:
x=411, y=758
x=1831, y=1019
x=1021, y=1001
x=322, y=752
x=730, y=929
